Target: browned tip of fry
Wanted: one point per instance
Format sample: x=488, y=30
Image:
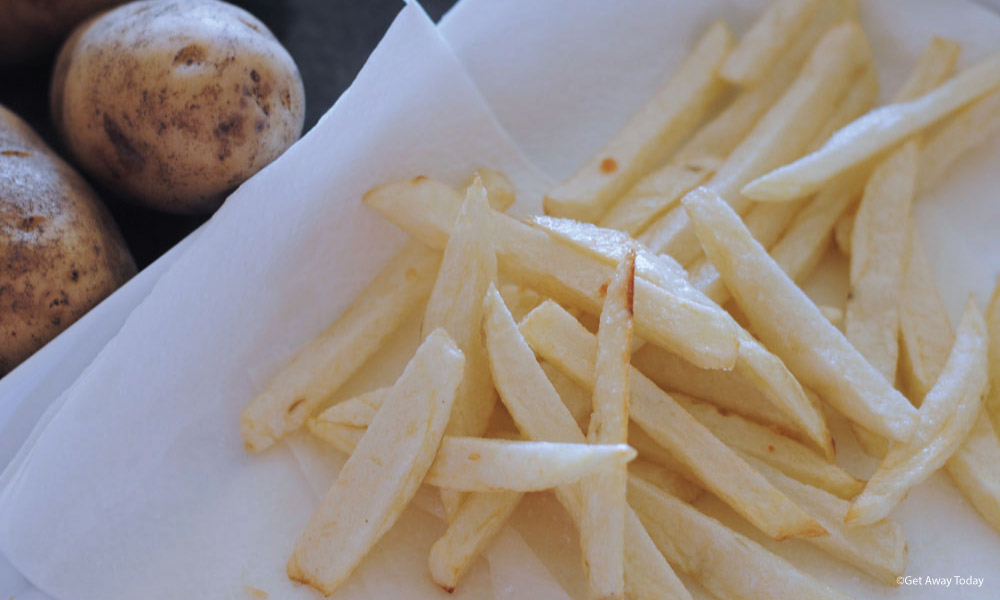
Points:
x=255, y=439
x=448, y=588
x=295, y=573
x=630, y=278
x=419, y=178
x=813, y=529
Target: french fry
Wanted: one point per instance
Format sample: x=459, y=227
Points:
x=875, y=133
x=843, y=233
x=650, y=135
x=791, y=325
x=770, y=34
x=385, y=470
x=753, y=363
x=698, y=159
x=975, y=468
x=666, y=479
x=992, y=400
x=878, y=549
x=533, y=259
x=500, y=191
x=576, y=399
x=966, y=129
x=879, y=241
x=478, y=520
x=782, y=453
x=833, y=314
x=330, y=359
x=602, y=528
x=946, y=417
x=520, y=300
x=783, y=133
x=560, y=339
x=925, y=331
x=541, y=415
x=935, y=65
x=468, y=267
x=717, y=557
x=355, y=412
x=768, y=221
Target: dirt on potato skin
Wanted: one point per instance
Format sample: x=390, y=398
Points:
x=173, y=104
x=60, y=251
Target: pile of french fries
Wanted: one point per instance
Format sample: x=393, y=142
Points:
x=655, y=314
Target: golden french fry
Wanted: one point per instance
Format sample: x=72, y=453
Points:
x=925, y=331
x=651, y=134
x=783, y=133
x=717, y=557
x=946, y=417
x=560, y=339
x=540, y=415
x=875, y=133
x=992, y=400
x=384, y=471
x=878, y=549
x=768, y=221
x=533, y=259
x=330, y=359
x=975, y=468
x=782, y=453
x=602, y=528
x=473, y=527
x=770, y=34
x=666, y=479
x=753, y=362
x=791, y=325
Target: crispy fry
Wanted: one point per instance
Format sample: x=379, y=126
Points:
x=781, y=135
x=651, y=134
x=790, y=324
x=534, y=259
x=875, y=133
x=754, y=363
x=946, y=417
x=717, y=557
x=602, y=528
x=330, y=359
x=560, y=339
x=788, y=456
x=878, y=549
x=541, y=415
x=385, y=470
x=773, y=31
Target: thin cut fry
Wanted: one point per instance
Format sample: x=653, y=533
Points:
x=791, y=325
x=975, y=468
x=773, y=31
x=329, y=360
x=946, y=417
x=473, y=527
x=650, y=136
x=666, y=479
x=874, y=133
x=878, y=549
x=535, y=260
x=754, y=363
x=718, y=558
x=560, y=339
x=782, y=134
x=385, y=470
x=468, y=267
x=602, y=528
x=782, y=453
x=541, y=415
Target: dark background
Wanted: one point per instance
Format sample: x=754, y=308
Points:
x=329, y=40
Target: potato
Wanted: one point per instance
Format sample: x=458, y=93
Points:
x=60, y=252
x=173, y=104
x=29, y=28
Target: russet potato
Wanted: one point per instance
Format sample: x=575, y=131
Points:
x=60, y=251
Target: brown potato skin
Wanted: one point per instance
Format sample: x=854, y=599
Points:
x=30, y=28
x=174, y=103
x=60, y=251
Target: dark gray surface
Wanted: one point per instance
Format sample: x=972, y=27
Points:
x=329, y=40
